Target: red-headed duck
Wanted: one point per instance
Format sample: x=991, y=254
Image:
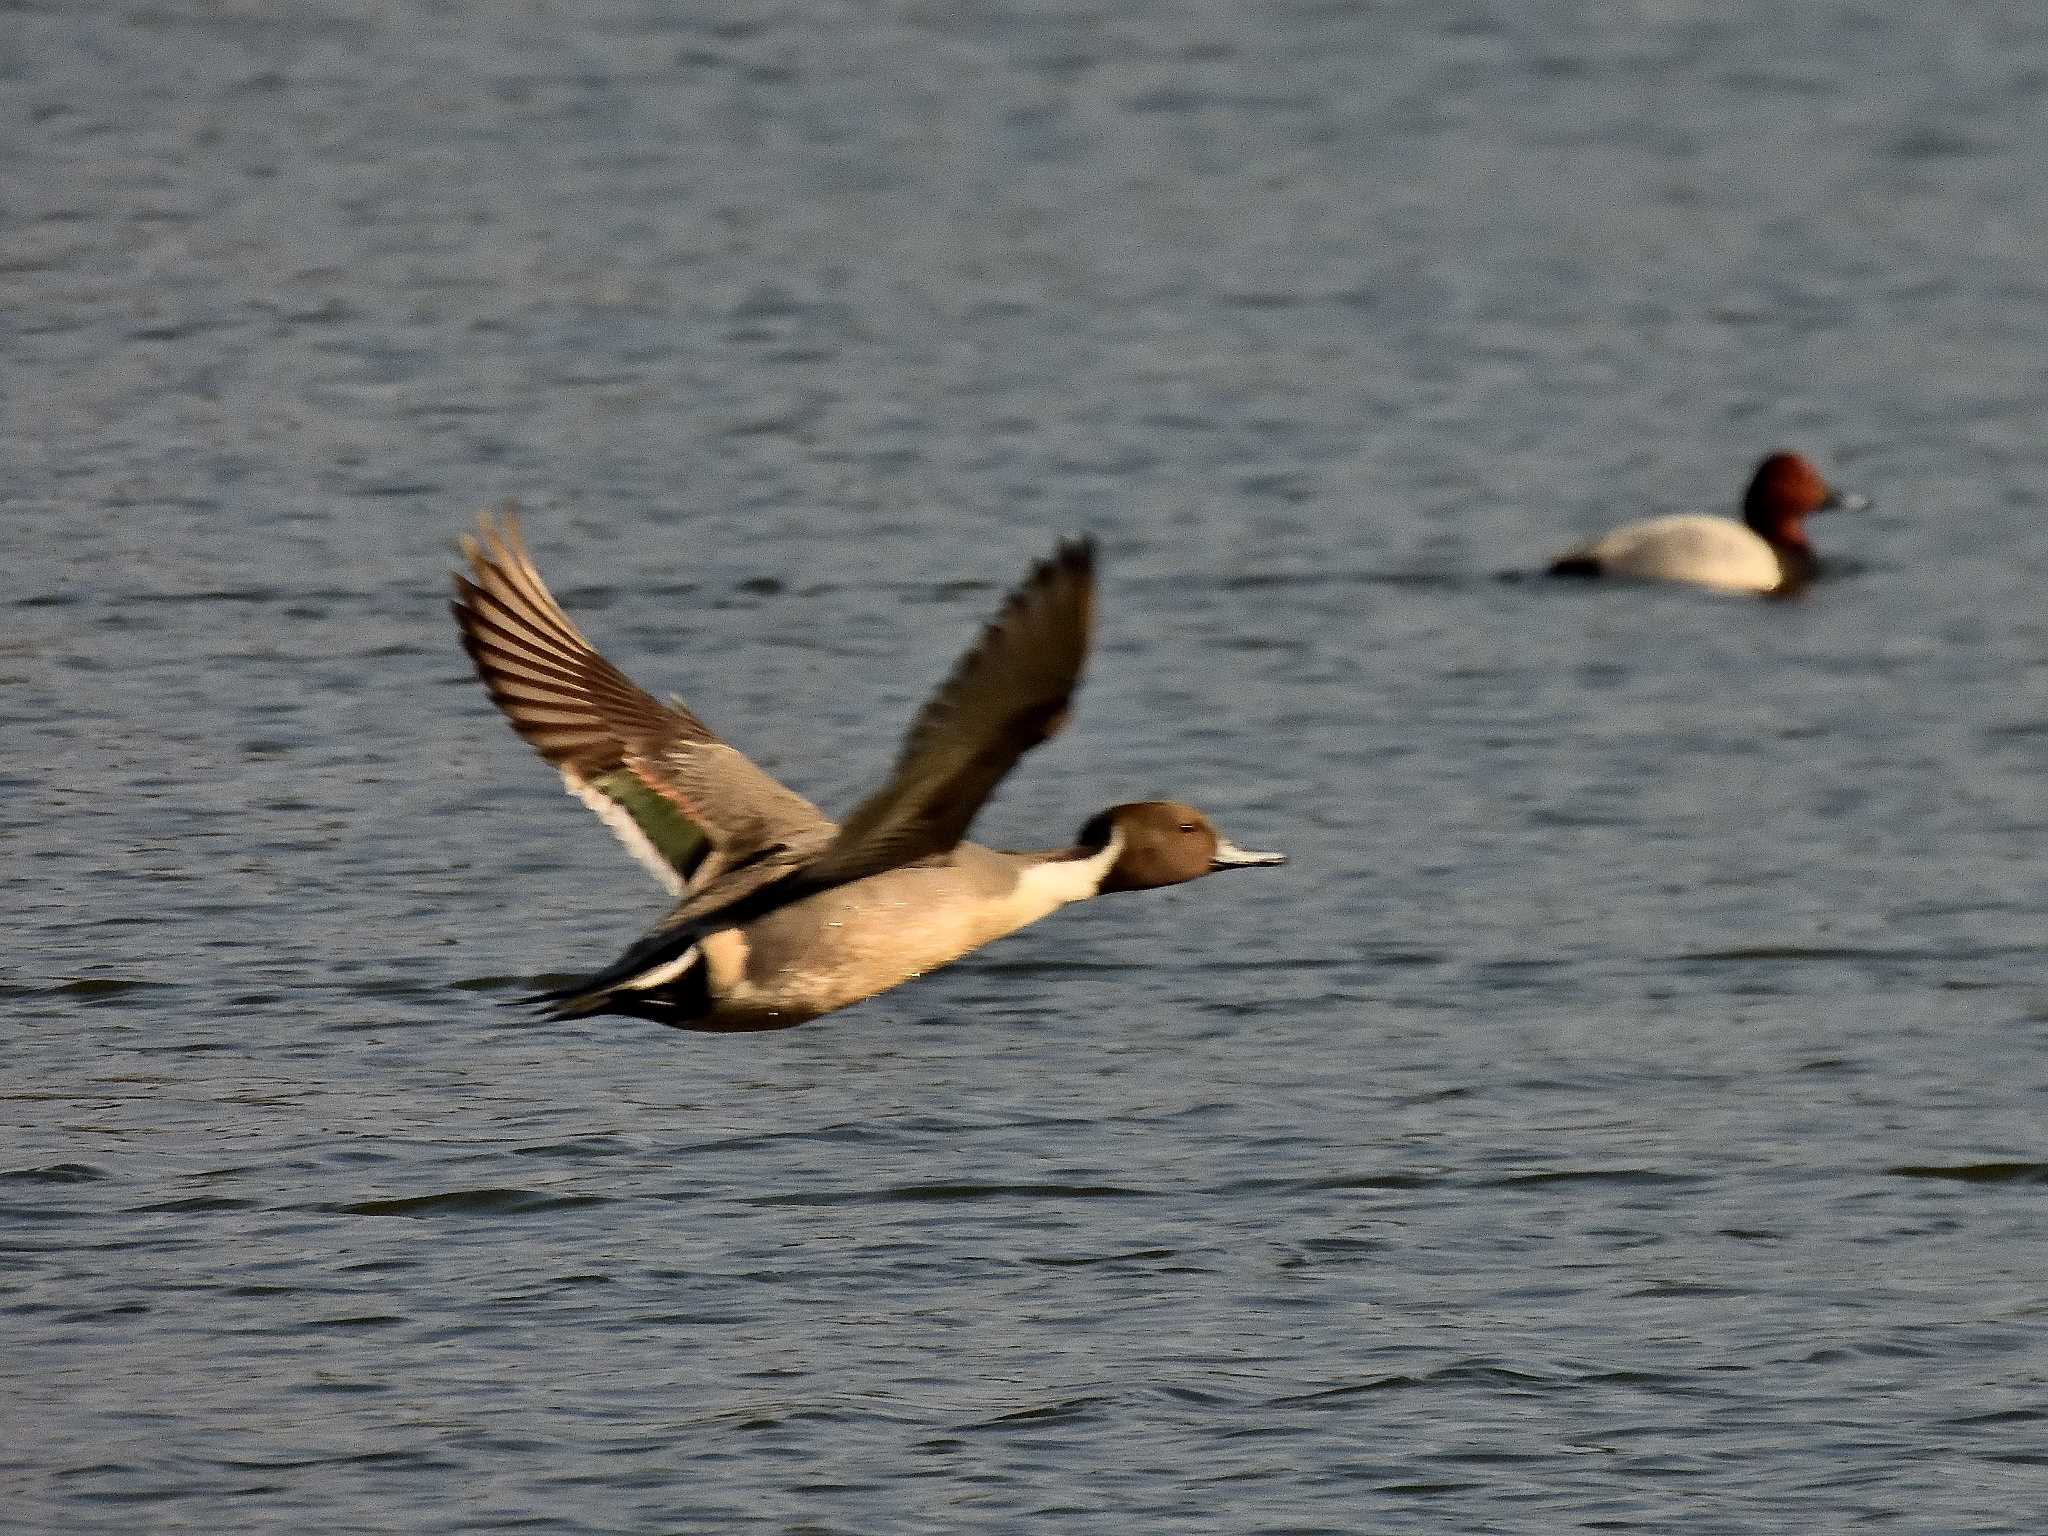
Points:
x=1766, y=552
x=783, y=915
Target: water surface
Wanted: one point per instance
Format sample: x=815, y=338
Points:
x=1625, y=1112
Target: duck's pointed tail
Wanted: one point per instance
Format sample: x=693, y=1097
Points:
x=663, y=978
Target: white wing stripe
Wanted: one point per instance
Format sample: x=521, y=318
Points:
x=662, y=974
x=625, y=829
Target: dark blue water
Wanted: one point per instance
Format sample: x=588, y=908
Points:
x=1628, y=1111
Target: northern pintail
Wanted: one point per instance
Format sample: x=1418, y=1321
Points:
x=781, y=915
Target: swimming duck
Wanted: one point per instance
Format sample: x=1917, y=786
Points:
x=1766, y=552
x=782, y=915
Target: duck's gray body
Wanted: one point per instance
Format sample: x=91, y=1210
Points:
x=784, y=915
x=841, y=946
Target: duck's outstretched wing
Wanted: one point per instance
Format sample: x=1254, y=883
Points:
x=1011, y=691
x=686, y=805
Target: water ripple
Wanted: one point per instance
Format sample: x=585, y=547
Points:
x=470, y=1202
x=1975, y=1173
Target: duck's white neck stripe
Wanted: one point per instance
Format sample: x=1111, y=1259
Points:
x=1059, y=881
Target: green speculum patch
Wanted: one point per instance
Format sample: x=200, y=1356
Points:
x=674, y=836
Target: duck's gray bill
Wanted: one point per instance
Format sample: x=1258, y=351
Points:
x=1846, y=501
x=1229, y=856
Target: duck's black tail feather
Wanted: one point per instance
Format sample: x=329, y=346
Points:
x=663, y=978
x=1574, y=565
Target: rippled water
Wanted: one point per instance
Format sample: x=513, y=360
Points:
x=1628, y=1109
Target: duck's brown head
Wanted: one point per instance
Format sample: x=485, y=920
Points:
x=1164, y=843
x=1785, y=490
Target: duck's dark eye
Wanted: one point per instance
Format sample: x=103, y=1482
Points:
x=1187, y=826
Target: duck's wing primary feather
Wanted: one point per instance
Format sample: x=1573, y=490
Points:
x=685, y=804
x=1012, y=691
